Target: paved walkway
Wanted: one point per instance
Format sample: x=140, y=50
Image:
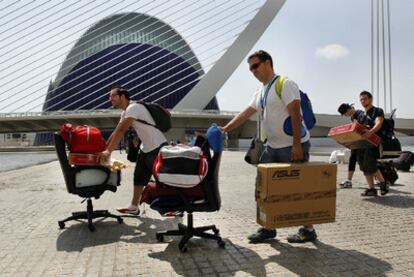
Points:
x=371, y=237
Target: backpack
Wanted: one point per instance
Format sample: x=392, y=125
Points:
x=82, y=138
x=307, y=112
x=180, y=166
x=160, y=115
x=390, y=148
x=388, y=171
x=404, y=161
x=387, y=129
x=132, y=148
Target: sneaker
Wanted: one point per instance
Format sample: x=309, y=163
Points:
x=303, y=235
x=346, y=184
x=262, y=235
x=370, y=192
x=173, y=214
x=384, y=188
x=134, y=210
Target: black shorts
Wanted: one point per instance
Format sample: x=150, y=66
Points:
x=367, y=160
x=353, y=160
x=143, y=167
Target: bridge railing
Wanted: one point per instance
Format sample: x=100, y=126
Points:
x=105, y=111
x=52, y=113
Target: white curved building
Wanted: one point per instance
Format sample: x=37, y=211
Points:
x=135, y=50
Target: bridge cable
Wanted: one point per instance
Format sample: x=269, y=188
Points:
x=86, y=73
x=76, y=46
x=46, y=32
x=86, y=50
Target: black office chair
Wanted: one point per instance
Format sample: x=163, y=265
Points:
x=210, y=203
x=78, y=181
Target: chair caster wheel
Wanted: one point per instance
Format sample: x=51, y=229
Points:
x=183, y=247
x=160, y=238
x=91, y=228
x=120, y=220
x=221, y=244
x=216, y=231
x=61, y=225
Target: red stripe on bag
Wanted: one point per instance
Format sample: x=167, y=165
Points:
x=157, y=164
x=202, y=172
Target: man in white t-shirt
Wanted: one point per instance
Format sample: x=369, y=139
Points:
x=277, y=113
x=151, y=139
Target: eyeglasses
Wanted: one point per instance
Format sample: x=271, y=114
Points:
x=113, y=95
x=254, y=66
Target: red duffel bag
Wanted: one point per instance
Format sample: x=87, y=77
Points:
x=82, y=138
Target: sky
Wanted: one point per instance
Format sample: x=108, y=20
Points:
x=323, y=45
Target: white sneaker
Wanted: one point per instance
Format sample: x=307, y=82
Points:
x=132, y=209
x=346, y=184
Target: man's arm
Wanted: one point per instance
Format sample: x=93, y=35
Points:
x=294, y=112
x=110, y=139
x=378, y=124
x=239, y=119
x=115, y=138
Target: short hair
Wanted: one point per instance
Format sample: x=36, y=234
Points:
x=344, y=107
x=366, y=93
x=121, y=90
x=262, y=56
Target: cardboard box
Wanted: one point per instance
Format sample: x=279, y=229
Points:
x=83, y=159
x=350, y=136
x=295, y=194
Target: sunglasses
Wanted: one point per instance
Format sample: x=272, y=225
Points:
x=254, y=66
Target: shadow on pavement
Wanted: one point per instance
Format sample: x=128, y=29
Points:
x=77, y=236
x=206, y=255
x=396, y=191
x=397, y=185
x=319, y=260
x=325, y=260
x=396, y=201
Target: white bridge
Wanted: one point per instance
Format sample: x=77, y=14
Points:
x=183, y=122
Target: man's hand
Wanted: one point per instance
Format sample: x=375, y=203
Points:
x=104, y=156
x=223, y=129
x=367, y=134
x=297, y=152
x=296, y=119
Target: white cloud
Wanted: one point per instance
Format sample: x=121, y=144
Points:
x=332, y=52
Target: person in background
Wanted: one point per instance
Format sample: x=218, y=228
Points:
x=348, y=110
x=367, y=158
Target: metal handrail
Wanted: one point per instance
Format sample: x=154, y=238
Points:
x=104, y=111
